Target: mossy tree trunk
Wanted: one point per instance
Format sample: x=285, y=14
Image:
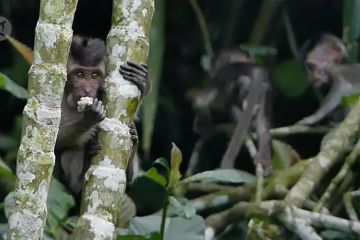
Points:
x=106, y=179
x=36, y=159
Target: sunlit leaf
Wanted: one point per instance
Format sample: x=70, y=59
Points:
x=153, y=174
x=176, y=159
x=350, y=100
x=5, y=171
x=21, y=48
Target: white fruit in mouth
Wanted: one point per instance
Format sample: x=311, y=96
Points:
x=83, y=103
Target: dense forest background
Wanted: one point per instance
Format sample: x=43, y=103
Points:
x=179, y=68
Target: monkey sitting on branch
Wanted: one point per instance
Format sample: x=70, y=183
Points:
x=243, y=90
x=82, y=110
x=326, y=65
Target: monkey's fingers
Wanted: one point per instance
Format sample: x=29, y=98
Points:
x=100, y=109
x=132, y=71
x=140, y=83
x=140, y=66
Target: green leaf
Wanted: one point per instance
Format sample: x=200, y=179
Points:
x=291, y=78
x=59, y=202
x=5, y=171
x=153, y=174
x=176, y=228
x=176, y=159
x=350, y=100
x=284, y=155
x=258, y=50
x=181, y=207
x=9, y=85
x=222, y=176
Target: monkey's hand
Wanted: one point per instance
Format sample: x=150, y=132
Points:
x=94, y=113
x=137, y=74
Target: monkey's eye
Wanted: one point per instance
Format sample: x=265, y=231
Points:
x=80, y=75
x=95, y=75
x=310, y=66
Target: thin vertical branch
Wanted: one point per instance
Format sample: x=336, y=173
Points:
x=203, y=28
x=36, y=159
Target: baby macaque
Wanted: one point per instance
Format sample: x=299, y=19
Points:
x=326, y=64
x=82, y=111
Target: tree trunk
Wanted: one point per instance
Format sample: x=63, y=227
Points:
x=106, y=179
x=36, y=159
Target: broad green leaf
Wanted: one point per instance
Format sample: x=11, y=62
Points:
x=153, y=174
x=181, y=207
x=9, y=85
x=5, y=171
x=155, y=61
x=176, y=159
x=59, y=202
x=176, y=228
x=291, y=78
x=222, y=176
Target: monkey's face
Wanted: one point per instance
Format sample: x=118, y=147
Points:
x=83, y=82
x=320, y=60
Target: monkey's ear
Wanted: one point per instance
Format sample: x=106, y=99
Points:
x=337, y=51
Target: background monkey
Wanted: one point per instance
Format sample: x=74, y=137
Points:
x=77, y=141
x=244, y=88
x=326, y=65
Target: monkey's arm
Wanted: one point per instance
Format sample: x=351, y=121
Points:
x=137, y=74
x=331, y=101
